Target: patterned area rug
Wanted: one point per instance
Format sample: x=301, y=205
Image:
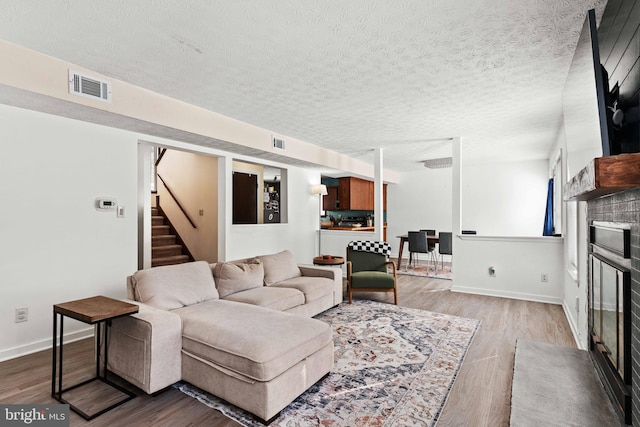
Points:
x=394, y=366
x=427, y=270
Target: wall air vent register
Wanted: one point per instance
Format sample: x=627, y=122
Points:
x=278, y=143
x=89, y=87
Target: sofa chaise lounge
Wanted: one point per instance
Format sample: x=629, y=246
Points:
x=241, y=330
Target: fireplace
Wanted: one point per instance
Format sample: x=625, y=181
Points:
x=611, y=187
x=610, y=309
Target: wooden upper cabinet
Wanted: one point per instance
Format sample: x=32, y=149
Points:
x=357, y=194
x=330, y=201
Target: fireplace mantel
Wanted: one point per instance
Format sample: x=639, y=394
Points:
x=603, y=176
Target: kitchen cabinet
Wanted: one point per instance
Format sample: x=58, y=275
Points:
x=330, y=201
x=357, y=194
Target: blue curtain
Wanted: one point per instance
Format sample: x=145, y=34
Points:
x=548, y=216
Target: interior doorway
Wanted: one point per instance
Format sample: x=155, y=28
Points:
x=187, y=186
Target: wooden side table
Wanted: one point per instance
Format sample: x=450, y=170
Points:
x=98, y=311
x=333, y=261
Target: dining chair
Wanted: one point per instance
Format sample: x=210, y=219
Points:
x=370, y=270
x=432, y=247
x=418, y=244
x=445, y=245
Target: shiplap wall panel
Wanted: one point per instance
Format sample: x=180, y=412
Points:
x=619, y=38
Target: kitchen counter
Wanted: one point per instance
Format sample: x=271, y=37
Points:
x=350, y=228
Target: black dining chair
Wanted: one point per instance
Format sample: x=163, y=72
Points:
x=417, y=244
x=432, y=247
x=445, y=245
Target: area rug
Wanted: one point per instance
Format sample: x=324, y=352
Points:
x=394, y=366
x=557, y=386
x=427, y=270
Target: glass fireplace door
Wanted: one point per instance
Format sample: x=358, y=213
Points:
x=610, y=286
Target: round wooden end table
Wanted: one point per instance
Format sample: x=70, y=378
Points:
x=325, y=260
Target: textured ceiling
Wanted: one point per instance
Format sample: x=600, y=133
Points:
x=346, y=75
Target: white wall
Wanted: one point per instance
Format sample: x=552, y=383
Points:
x=298, y=235
x=499, y=199
x=574, y=229
x=519, y=263
x=504, y=203
x=420, y=200
x=505, y=199
x=56, y=246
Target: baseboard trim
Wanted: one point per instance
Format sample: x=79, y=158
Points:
x=504, y=294
x=45, y=344
x=572, y=325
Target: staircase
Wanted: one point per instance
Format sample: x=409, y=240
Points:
x=166, y=247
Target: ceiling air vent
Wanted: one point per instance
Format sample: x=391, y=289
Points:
x=89, y=87
x=278, y=143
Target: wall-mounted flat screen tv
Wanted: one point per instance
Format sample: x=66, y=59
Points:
x=584, y=102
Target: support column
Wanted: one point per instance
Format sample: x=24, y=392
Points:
x=144, y=204
x=456, y=223
x=456, y=208
x=225, y=204
x=378, y=186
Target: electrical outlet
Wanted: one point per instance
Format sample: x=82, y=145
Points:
x=492, y=272
x=544, y=277
x=22, y=314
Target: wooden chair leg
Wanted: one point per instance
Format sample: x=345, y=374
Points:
x=395, y=296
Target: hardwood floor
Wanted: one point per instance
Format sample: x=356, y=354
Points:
x=480, y=396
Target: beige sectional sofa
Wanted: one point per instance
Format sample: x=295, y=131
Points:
x=240, y=330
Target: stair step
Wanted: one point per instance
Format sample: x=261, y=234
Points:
x=170, y=260
x=157, y=220
x=154, y=212
x=163, y=240
x=165, y=251
x=159, y=230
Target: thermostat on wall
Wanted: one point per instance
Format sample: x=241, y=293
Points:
x=106, y=204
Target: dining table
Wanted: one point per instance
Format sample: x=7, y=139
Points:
x=431, y=239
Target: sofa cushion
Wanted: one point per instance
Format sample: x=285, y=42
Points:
x=253, y=341
x=174, y=286
x=313, y=288
x=235, y=277
x=279, y=267
x=280, y=299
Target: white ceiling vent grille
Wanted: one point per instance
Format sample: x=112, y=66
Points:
x=89, y=87
x=278, y=143
x=445, y=162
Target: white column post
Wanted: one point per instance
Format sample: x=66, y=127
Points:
x=378, y=186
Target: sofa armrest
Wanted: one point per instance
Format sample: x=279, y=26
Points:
x=146, y=348
x=332, y=273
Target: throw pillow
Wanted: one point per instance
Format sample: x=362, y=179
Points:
x=279, y=267
x=174, y=286
x=231, y=277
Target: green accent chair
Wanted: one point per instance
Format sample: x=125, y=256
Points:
x=369, y=272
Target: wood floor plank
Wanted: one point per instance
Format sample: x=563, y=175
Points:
x=481, y=395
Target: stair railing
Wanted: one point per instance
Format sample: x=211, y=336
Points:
x=193, y=224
